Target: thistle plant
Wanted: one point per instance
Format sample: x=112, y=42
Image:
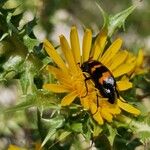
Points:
x=62, y=106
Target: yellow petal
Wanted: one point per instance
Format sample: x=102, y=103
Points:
x=85, y=103
x=106, y=115
x=118, y=59
x=57, y=72
x=93, y=108
x=124, y=85
x=38, y=146
x=127, y=107
x=63, y=77
x=54, y=70
x=138, y=67
x=139, y=60
x=125, y=77
x=123, y=69
x=56, y=88
x=115, y=111
x=69, y=98
x=111, y=108
x=68, y=53
x=131, y=58
x=97, y=117
x=54, y=55
x=99, y=45
x=111, y=51
x=13, y=147
x=86, y=47
x=75, y=45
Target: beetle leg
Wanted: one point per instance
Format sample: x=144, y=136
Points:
x=97, y=103
x=86, y=79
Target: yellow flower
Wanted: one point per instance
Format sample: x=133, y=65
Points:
x=13, y=147
x=138, y=68
x=72, y=81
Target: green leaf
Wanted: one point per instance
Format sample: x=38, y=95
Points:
x=87, y=129
x=112, y=134
x=4, y=36
x=125, y=140
x=48, y=126
x=96, y=128
x=30, y=43
x=104, y=15
x=47, y=100
x=63, y=135
x=46, y=60
x=77, y=127
x=11, y=27
x=112, y=23
x=53, y=123
x=15, y=19
x=30, y=25
x=143, y=82
x=27, y=78
x=118, y=20
x=13, y=63
x=49, y=135
x=141, y=127
x=28, y=102
x=11, y=67
x=39, y=99
x=102, y=142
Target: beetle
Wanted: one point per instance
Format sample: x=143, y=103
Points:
x=102, y=78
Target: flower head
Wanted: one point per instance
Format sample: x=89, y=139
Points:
x=71, y=79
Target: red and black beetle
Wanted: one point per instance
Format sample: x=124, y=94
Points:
x=103, y=79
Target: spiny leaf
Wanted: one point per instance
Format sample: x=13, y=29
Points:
x=30, y=43
x=112, y=23
x=140, y=127
x=96, y=128
x=51, y=133
x=13, y=63
x=144, y=136
x=46, y=60
x=102, y=142
x=39, y=99
x=118, y=20
x=23, y=105
x=53, y=123
x=104, y=15
x=125, y=140
x=26, y=80
x=64, y=135
x=15, y=20
x=49, y=126
x=29, y=26
x=11, y=27
x=112, y=134
x=77, y=127
x=143, y=128
x=4, y=36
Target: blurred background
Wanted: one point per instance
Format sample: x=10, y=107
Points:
x=55, y=17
